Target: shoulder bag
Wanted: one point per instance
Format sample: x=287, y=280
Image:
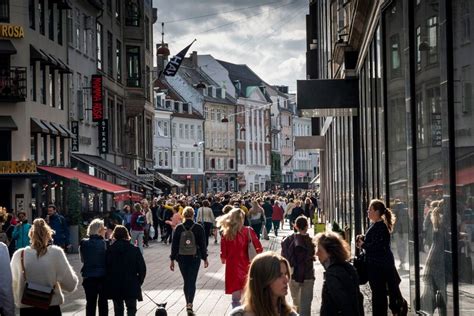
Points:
x=360, y=264
x=252, y=252
x=34, y=294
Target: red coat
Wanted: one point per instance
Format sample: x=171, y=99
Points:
x=277, y=214
x=235, y=253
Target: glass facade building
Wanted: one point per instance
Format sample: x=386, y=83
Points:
x=411, y=143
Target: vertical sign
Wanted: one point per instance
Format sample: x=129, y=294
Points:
x=436, y=130
x=75, y=139
x=19, y=202
x=97, y=98
x=103, y=136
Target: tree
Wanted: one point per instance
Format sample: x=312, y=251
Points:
x=74, y=202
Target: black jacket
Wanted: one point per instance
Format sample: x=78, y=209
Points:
x=126, y=271
x=377, y=245
x=92, y=251
x=199, y=236
x=341, y=294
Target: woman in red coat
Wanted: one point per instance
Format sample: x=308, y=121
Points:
x=234, y=251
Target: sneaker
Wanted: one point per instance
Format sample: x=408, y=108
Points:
x=189, y=309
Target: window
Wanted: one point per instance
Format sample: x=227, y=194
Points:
x=110, y=60
x=119, y=126
x=118, y=10
x=193, y=163
x=5, y=11
x=466, y=89
x=181, y=130
x=59, y=87
x=417, y=50
x=173, y=131
x=191, y=131
x=432, y=24
x=77, y=28
x=99, y=46
x=147, y=83
x=31, y=14
x=33, y=148
x=231, y=164
x=41, y=15
x=395, y=56
x=186, y=131
x=213, y=163
x=51, y=20
x=51, y=88
x=199, y=163
x=165, y=129
x=147, y=33
x=33, y=80
x=465, y=22
x=133, y=66
x=181, y=159
x=52, y=150
x=109, y=6
x=60, y=27
x=199, y=133
x=70, y=27
x=186, y=160
x=85, y=35
x=132, y=13
x=118, y=58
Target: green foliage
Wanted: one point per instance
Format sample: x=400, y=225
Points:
x=74, y=202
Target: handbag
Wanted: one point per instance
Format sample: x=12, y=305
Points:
x=252, y=252
x=34, y=294
x=360, y=264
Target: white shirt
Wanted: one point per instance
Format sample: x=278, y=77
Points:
x=6, y=292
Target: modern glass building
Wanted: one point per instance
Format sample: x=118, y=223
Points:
x=406, y=136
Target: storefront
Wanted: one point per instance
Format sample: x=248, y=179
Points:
x=410, y=141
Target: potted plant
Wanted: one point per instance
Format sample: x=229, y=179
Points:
x=74, y=215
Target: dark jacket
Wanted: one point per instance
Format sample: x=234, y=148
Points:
x=126, y=271
x=268, y=209
x=199, y=236
x=61, y=230
x=341, y=294
x=299, y=250
x=377, y=245
x=295, y=213
x=92, y=251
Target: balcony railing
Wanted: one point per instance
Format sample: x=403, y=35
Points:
x=13, y=84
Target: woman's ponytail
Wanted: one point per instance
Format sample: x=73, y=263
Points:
x=389, y=219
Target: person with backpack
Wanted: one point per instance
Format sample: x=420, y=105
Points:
x=188, y=249
x=341, y=293
x=137, y=226
x=299, y=250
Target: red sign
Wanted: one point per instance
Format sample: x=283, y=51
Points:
x=97, y=98
x=188, y=177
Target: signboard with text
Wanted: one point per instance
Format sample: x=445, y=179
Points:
x=436, y=130
x=75, y=139
x=97, y=98
x=104, y=136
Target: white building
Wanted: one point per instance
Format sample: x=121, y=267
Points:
x=305, y=161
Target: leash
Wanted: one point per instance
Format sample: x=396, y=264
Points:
x=151, y=299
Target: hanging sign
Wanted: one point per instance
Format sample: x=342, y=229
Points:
x=104, y=136
x=75, y=139
x=97, y=98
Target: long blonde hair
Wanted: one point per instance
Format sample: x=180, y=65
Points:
x=264, y=269
x=40, y=235
x=231, y=223
x=437, y=215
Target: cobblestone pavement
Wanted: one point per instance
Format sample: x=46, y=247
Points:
x=165, y=286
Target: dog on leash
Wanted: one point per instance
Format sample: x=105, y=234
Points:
x=161, y=310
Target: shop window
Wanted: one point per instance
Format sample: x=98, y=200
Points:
x=133, y=66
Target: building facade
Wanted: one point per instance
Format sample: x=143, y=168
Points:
x=406, y=139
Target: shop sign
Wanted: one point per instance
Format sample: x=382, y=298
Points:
x=97, y=98
x=75, y=139
x=188, y=177
x=324, y=112
x=436, y=130
x=17, y=167
x=104, y=136
x=11, y=31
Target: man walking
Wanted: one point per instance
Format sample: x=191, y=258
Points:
x=59, y=225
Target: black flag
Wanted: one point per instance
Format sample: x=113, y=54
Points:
x=173, y=65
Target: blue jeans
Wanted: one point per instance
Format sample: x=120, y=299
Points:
x=189, y=268
x=268, y=225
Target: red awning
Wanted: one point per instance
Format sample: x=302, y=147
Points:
x=121, y=193
x=463, y=177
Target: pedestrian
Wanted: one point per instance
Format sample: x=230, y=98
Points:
x=43, y=265
x=188, y=249
x=155, y=208
x=266, y=288
x=268, y=209
x=125, y=272
x=296, y=212
x=127, y=216
x=149, y=222
x=256, y=217
x=137, y=225
x=20, y=233
x=60, y=228
x=92, y=251
x=383, y=276
x=206, y=218
x=168, y=230
x=299, y=250
x=7, y=303
x=234, y=251
x=340, y=293
x=309, y=210
x=400, y=231
x=277, y=216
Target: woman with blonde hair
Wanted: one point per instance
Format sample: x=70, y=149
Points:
x=256, y=217
x=266, y=288
x=383, y=276
x=45, y=265
x=234, y=251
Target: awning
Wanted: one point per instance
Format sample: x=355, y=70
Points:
x=51, y=128
x=68, y=132
x=6, y=47
x=121, y=193
x=7, y=124
x=49, y=60
x=463, y=177
x=37, y=126
x=171, y=182
x=35, y=54
x=111, y=168
x=59, y=129
x=64, y=69
x=315, y=180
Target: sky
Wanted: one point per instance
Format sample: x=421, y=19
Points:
x=267, y=35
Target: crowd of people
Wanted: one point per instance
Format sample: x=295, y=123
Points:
x=257, y=280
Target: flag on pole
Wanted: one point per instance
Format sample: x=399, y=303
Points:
x=173, y=65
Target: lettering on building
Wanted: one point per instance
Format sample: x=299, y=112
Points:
x=17, y=167
x=104, y=136
x=97, y=98
x=11, y=31
x=75, y=139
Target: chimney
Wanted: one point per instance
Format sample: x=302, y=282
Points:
x=194, y=59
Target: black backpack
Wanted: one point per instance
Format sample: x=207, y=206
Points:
x=187, y=242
